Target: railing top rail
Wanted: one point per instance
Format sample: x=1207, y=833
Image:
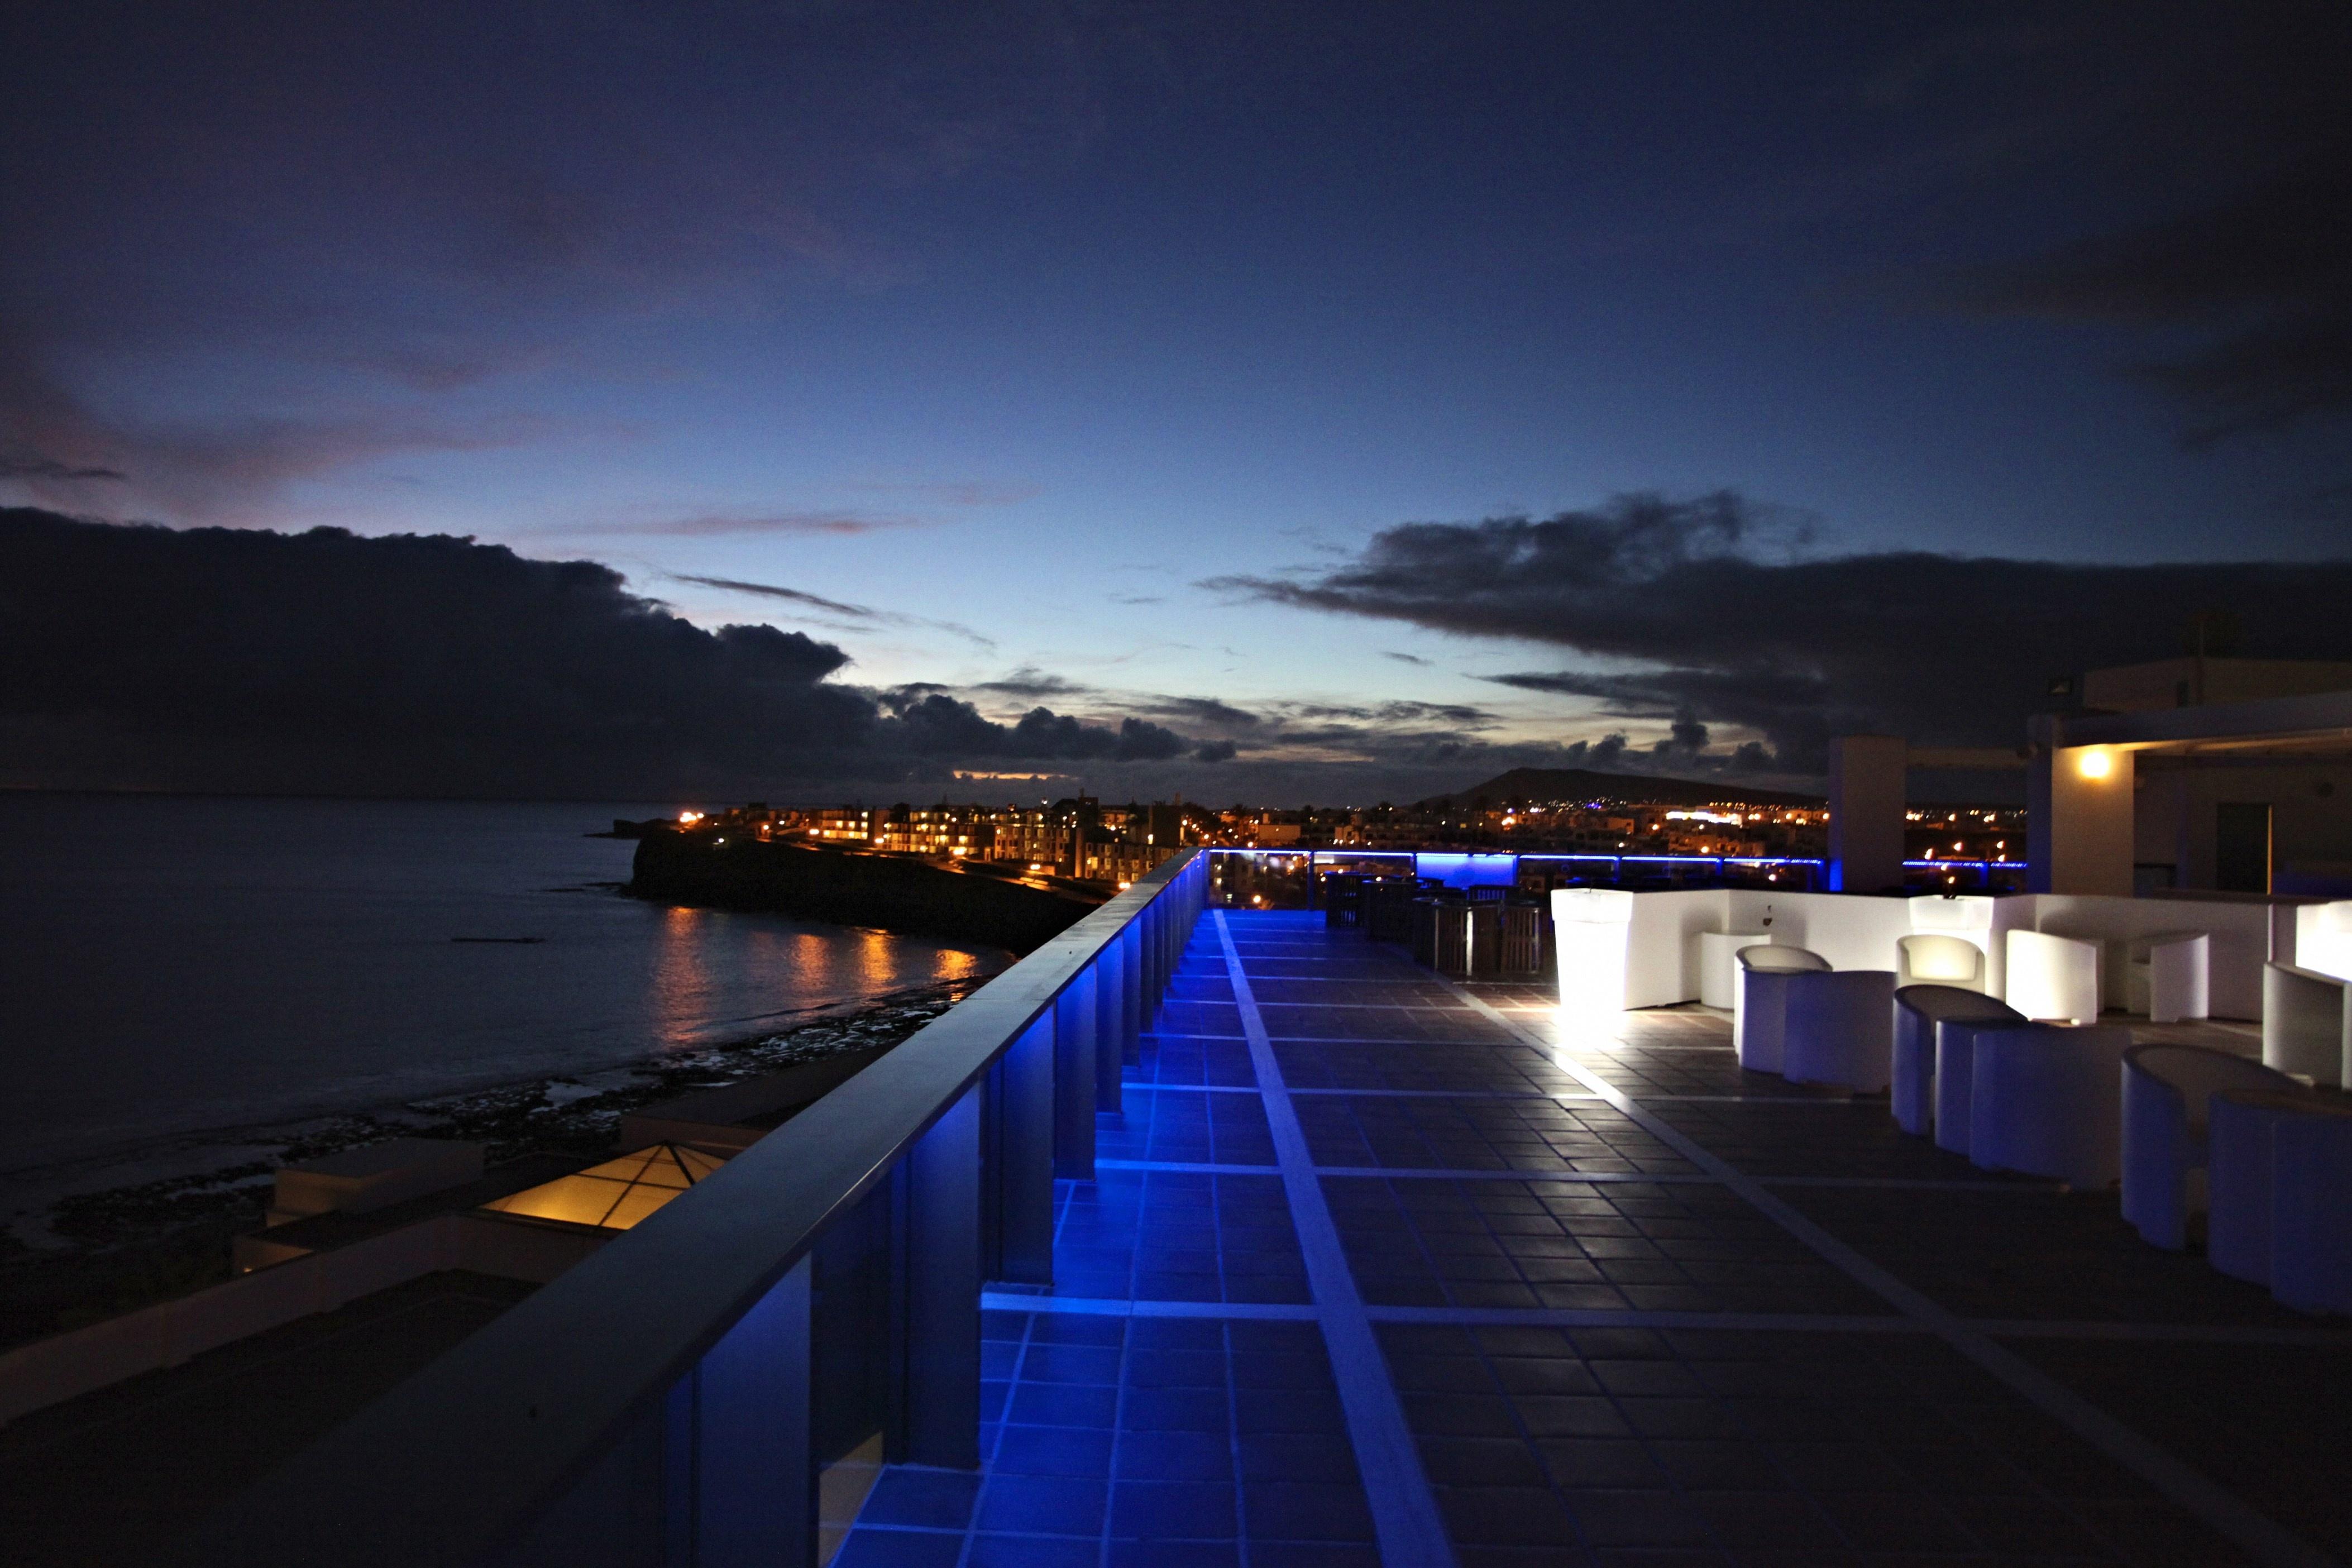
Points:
x=454, y=1463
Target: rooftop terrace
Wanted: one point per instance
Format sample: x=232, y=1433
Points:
x=1211, y=1236
x=1376, y=1268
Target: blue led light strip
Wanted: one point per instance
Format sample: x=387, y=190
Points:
x=1405, y=1510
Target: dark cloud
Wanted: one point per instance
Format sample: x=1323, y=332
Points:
x=2263, y=280
x=855, y=613
x=1406, y=658
x=1206, y=713
x=713, y=525
x=789, y=596
x=238, y=659
x=1215, y=751
x=1028, y=681
x=1726, y=622
x=33, y=465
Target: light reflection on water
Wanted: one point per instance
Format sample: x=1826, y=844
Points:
x=174, y=964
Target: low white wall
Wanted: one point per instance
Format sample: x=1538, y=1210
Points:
x=51, y=1370
x=1859, y=932
x=1852, y=930
x=1662, y=952
x=2239, y=946
x=2323, y=939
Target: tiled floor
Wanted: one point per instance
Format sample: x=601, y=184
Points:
x=1376, y=1268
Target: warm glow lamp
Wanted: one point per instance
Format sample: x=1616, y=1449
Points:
x=2095, y=764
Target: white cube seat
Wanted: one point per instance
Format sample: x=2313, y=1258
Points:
x=2170, y=975
x=1912, y=1070
x=1839, y=1028
x=1955, y=1091
x=2240, y=1184
x=2311, y=1209
x=1930, y=958
x=2306, y=1023
x=2053, y=978
x=2167, y=1090
x=1759, y=1013
x=2044, y=1101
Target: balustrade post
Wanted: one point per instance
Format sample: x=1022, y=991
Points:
x=1110, y=1047
x=1073, y=1079
x=738, y=1479
x=1130, y=993
x=1155, y=959
x=1023, y=1180
x=938, y=1275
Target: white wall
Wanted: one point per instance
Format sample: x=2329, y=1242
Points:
x=2323, y=937
x=1853, y=932
x=1857, y=932
x=1661, y=950
x=2240, y=934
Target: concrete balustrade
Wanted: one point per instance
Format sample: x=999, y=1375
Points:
x=654, y=1404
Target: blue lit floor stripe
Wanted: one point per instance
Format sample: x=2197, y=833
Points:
x=2021, y=1187
x=1121, y=1307
x=1404, y=1511
x=2264, y=1538
x=1003, y=1300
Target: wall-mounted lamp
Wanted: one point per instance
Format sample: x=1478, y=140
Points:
x=2095, y=764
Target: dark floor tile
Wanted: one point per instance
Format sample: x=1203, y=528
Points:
x=1784, y=1520
x=937, y=1499
x=1031, y=1552
x=1062, y=1405
x=1175, y=1457
x=1297, y=1457
x=1042, y=1505
x=1312, y=1554
x=1480, y=1462
x=1506, y=1516
x=1053, y=1451
x=1615, y=1518
x=1174, y=1554
x=868, y=1547
x=1175, y=1410
x=1167, y=1510
x=1306, y=1511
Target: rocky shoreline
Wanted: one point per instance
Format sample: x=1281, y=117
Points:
x=74, y=1250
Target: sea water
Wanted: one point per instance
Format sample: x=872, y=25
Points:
x=174, y=964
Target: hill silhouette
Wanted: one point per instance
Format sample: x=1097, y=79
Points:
x=1587, y=784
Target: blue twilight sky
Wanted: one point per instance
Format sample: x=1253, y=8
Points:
x=1080, y=354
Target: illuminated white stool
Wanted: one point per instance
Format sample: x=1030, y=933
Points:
x=2306, y=1023
x=2168, y=1099
x=2240, y=1181
x=2311, y=1209
x=2047, y=1101
x=2053, y=978
x=1759, y=1016
x=1839, y=1028
x=1933, y=959
x=1918, y=1009
x=2169, y=975
x=1590, y=928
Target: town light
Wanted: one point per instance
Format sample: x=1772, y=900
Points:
x=2095, y=764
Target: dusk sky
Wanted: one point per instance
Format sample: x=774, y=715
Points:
x=1095, y=357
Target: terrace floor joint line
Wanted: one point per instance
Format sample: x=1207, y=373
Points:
x=1405, y=1518
x=2264, y=1538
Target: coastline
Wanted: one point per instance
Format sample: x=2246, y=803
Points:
x=83, y=1239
